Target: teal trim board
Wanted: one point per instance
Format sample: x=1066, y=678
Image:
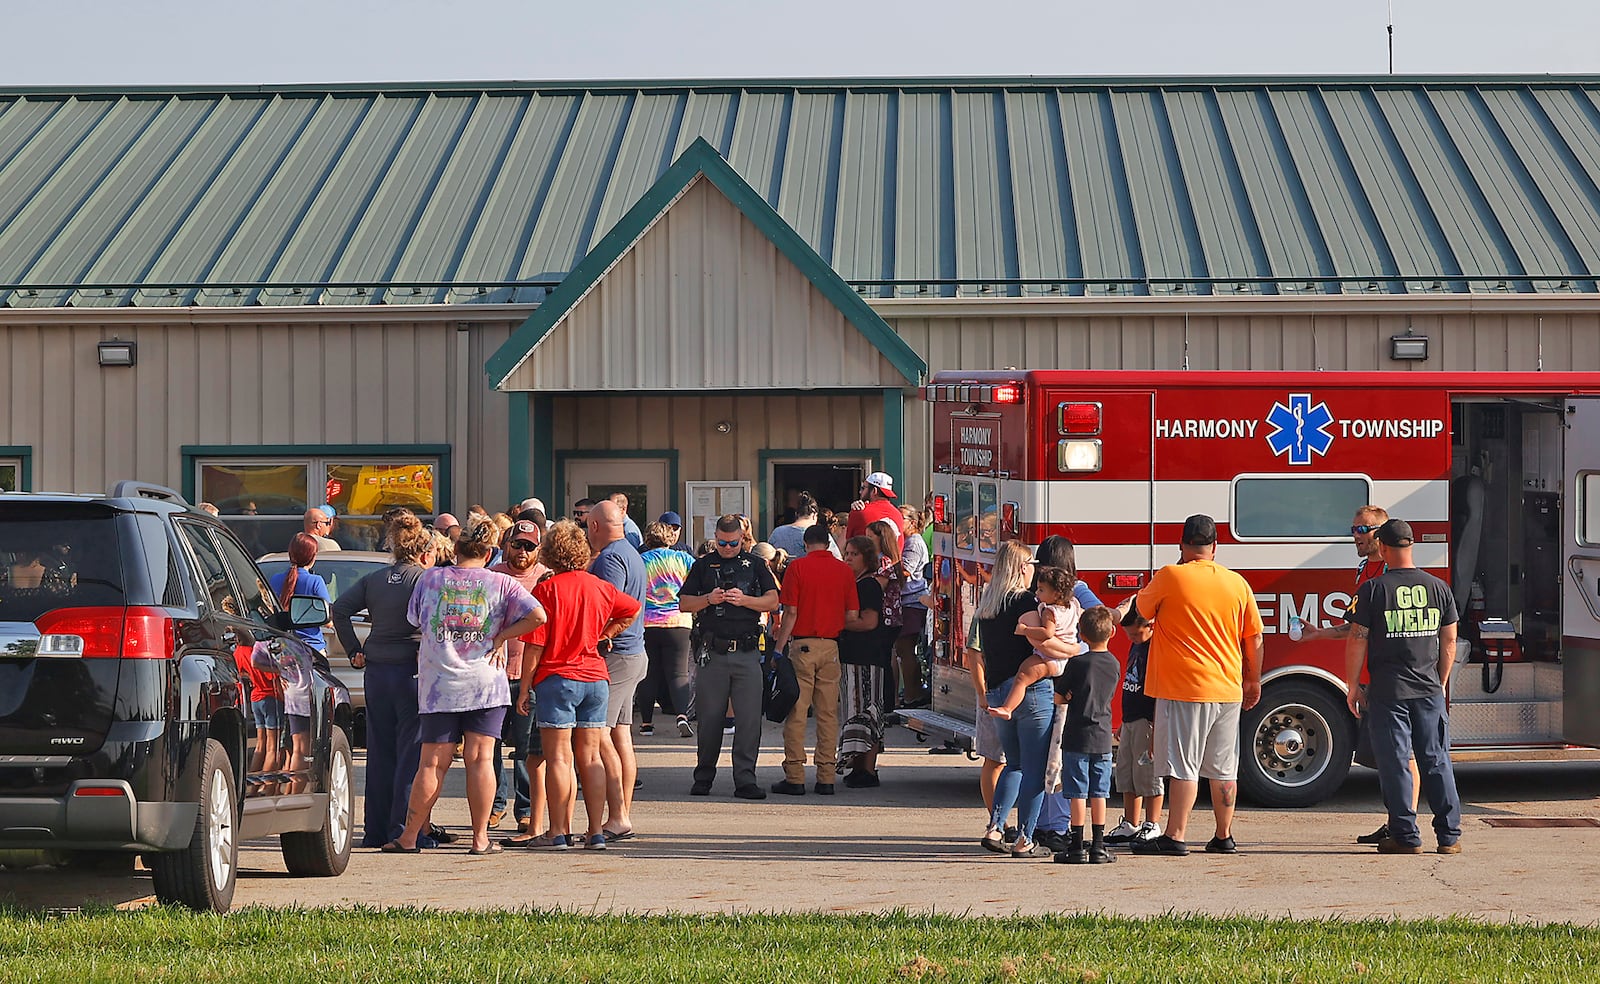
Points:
x=24, y=455
x=543, y=455
x=701, y=159
x=558, y=490
x=519, y=448
x=894, y=435
x=192, y=453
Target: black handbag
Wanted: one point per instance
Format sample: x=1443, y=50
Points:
x=781, y=688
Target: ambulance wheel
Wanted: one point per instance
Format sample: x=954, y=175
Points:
x=1296, y=745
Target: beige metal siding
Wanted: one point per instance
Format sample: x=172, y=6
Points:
x=703, y=301
x=249, y=384
x=687, y=424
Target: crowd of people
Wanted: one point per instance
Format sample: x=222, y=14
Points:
x=525, y=647
x=514, y=634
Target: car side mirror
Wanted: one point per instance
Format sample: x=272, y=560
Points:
x=305, y=612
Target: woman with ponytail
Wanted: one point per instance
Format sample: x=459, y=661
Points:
x=298, y=580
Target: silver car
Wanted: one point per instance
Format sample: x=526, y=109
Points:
x=340, y=570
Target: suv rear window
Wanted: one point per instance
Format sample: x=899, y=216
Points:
x=57, y=556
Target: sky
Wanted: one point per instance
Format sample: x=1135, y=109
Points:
x=171, y=42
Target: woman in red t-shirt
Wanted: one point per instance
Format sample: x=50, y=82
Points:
x=565, y=671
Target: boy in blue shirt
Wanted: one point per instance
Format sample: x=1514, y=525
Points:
x=1087, y=685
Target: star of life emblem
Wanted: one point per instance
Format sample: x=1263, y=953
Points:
x=1300, y=429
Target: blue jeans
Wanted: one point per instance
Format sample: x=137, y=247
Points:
x=392, y=750
x=1026, y=740
x=512, y=783
x=1401, y=728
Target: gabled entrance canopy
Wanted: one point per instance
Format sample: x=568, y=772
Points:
x=703, y=285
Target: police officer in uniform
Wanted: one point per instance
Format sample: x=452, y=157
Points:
x=728, y=590
x=1403, y=627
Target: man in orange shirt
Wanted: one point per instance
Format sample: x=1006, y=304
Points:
x=1204, y=668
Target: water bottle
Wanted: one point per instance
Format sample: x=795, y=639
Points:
x=1295, y=629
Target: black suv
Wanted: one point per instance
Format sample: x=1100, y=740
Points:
x=129, y=626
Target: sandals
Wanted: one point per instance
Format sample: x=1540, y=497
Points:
x=395, y=847
x=613, y=836
x=493, y=848
x=528, y=841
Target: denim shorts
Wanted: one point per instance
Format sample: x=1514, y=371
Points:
x=268, y=713
x=1085, y=777
x=449, y=727
x=563, y=703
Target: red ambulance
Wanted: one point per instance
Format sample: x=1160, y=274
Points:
x=1498, y=474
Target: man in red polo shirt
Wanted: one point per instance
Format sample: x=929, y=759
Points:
x=818, y=596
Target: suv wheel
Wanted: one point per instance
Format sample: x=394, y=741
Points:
x=201, y=876
x=326, y=852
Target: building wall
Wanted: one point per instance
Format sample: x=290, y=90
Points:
x=687, y=424
x=220, y=378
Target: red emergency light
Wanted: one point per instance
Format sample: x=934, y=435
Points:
x=1008, y=393
x=940, y=507
x=1079, y=418
x=1124, y=582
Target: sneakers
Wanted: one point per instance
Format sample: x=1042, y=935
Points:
x=1377, y=835
x=862, y=779
x=700, y=789
x=1222, y=845
x=788, y=788
x=1161, y=845
x=1123, y=832
x=1391, y=846
x=685, y=729
x=1454, y=848
x=727, y=726
x=823, y=789
x=1149, y=830
x=750, y=792
x=647, y=728
x=596, y=842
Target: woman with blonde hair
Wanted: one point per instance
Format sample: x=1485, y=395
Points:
x=444, y=550
x=1026, y=736
x=914, y=614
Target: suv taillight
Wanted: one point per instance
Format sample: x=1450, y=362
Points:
x=105, y=633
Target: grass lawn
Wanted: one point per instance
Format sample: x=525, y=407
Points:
x=415, y=946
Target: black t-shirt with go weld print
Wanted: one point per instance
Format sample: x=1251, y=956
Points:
x=1403, y=611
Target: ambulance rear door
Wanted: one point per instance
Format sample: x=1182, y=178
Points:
x=1580, y=618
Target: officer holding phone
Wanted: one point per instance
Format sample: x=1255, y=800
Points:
x=727, y=591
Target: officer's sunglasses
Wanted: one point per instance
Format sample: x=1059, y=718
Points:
x=1364, y=528
x=729, y=543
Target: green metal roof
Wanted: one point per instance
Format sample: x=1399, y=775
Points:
x=473, y=192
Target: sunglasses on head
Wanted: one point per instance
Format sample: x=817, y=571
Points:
x=523, y=544
x=1364, y=528
x=729, y=543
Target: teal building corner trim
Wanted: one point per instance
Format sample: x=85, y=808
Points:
x=24, y=455
x=519, y=448
x=558, y=489
x=894, y=434
x=766, y=457
x=542, y=434
x=191, y=453
x=702, y=159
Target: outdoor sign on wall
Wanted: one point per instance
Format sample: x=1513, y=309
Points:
x=704, y=502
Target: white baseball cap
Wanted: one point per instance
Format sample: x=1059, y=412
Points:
x=882, y=482
x=534, y=504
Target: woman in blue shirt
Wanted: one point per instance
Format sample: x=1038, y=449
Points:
x=298, y=580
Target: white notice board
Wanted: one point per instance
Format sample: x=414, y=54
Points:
x=704, y=502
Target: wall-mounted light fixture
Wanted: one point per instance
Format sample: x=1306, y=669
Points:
x=1408, y=347
x=118, y=353
x=724, y=427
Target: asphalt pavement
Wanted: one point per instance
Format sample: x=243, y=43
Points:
x=913, y=844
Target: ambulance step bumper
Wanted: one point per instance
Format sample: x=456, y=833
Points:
x=951, y=730
x=1509, y=722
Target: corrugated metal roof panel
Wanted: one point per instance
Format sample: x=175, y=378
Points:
x=487, y=191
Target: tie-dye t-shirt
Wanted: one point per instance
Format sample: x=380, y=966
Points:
x=664, y=572
x=459, y=611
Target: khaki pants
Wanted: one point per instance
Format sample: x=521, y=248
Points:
x=816, y=666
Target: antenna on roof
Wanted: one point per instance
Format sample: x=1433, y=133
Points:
x=1391, y=37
